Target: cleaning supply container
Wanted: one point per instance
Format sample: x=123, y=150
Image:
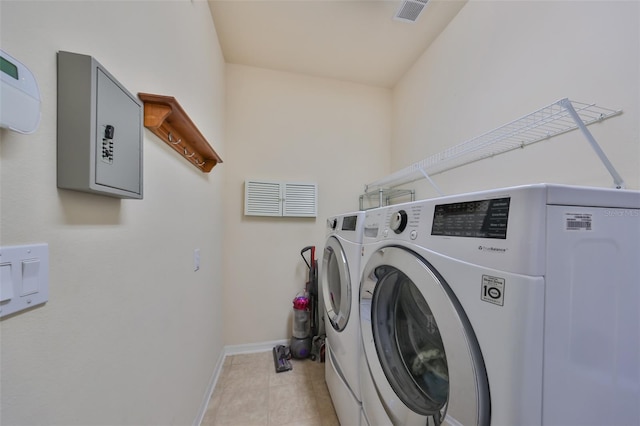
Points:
x=301, y=336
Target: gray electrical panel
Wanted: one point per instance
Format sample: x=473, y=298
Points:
x=99, y=130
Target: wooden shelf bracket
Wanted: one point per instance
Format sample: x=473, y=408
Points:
x=164, y=116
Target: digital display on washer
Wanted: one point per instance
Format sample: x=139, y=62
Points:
x=8, y=68
x=478, y=219
x=349, y=223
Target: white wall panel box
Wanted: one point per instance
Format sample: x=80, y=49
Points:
x=100, y=130
x=288, y=199
x=19, y=96
x=24, y=277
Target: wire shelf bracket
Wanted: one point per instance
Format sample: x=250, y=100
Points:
x=555, y=119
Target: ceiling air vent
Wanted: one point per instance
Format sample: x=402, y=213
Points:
x=410, y=10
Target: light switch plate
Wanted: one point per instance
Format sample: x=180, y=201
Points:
x=6, y=282
x=24, y=277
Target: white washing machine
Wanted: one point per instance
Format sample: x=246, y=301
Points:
x=340, y=279
x=515, y=306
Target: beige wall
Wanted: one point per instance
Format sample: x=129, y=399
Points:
x=498, y=61
x=290, y=127
x=130, y=335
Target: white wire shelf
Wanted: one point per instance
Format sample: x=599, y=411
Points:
x=560, y=117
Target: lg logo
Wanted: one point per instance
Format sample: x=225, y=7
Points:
x=493, y=290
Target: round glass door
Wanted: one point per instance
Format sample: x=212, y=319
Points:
x=407, y=334
x=336, y=284
x=420, y=348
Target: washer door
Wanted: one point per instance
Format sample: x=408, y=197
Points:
x=421, y=351
x=336, y=284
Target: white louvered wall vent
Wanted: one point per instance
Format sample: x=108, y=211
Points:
x=288, y=199
x=410, y=10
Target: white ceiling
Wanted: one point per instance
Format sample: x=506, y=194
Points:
x=353, y=40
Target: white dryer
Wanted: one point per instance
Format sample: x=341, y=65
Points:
x=340, y=279
x=515, y=306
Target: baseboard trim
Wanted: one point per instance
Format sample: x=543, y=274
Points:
x=212, y=385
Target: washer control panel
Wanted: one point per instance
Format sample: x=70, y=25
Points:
x=479, y=219
x=500, y=228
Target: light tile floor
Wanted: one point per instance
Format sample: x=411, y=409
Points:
x=250, y=393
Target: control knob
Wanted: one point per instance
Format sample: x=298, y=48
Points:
x=398, y=221
x=332, y=223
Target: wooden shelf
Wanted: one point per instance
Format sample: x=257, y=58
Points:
x=164, y=116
